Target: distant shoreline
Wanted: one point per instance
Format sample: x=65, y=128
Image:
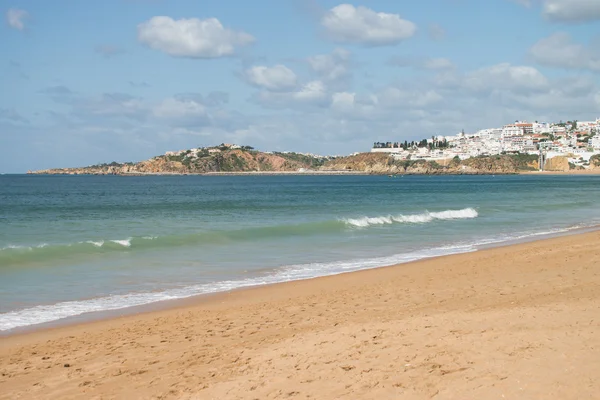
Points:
x=570, y=172
x=325, y=173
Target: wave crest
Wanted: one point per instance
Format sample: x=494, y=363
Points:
x=13, y=254
x=465, y=213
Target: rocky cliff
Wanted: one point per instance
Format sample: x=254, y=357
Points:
x=381, y=163
x=595, y=162
x=240, y=160
x=557, y=164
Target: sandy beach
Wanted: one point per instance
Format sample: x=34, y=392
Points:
x=521, y=321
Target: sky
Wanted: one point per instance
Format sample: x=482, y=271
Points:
x=86, y=82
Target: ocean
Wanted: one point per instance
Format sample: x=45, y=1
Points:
x=74, y=245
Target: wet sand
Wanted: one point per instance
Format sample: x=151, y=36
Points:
x=521, y=321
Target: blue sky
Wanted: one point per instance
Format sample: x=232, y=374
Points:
x=87, y=82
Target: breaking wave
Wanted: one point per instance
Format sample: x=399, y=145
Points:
x=15, y=255
x=465, y=213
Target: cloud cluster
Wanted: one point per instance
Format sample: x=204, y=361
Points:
x=276, y=78
x=16, y=18
x=331, y=67
x=559, y=50
x=566, y=11
x=193, y=38
x=346, y=23
x=572, y=10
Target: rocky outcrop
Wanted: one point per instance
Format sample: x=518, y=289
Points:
x=381, y=163
x=595, y=162
x=557, y=164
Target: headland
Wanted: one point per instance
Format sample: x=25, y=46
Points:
x=228, y=159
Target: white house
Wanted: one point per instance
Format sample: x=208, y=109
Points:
x=541, y=127
x=511, y=130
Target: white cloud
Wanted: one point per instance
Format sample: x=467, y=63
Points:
x=331, y=67
x=313, y=90
x=558, y=50
x=439, y=63
x=505, y=77
x=352, y=106
x=15, y=18
x=178, y=108
x=105, y=106
x=571, y=10
x=343, y=100
x=193, y=38
x=360, y=25
x=276, y=78
x=313, y=93
x=394, y=97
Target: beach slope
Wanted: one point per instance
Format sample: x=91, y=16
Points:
x=521, y=321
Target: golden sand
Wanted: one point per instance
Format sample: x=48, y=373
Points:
x=517, y=322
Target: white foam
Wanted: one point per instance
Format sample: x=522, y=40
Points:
x=99, y=243
x=123, y=242
x=465, y=213
x=48, y=313
x=15, y=247
x=366, y=221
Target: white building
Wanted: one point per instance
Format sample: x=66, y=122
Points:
x=511, y=130
x=595, y=142
x=541, y=127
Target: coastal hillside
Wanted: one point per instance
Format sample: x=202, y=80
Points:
x=382, y=163
x=223, y=158
x=238, y=159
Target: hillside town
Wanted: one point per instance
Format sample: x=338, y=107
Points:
x=576, y=140
x=199, y=152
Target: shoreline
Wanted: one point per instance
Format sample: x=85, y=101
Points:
x=104, y=315
x=570, y=172
x=526, y=299
x=326, y=173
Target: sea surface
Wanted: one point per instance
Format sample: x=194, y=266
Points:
x=72, y=245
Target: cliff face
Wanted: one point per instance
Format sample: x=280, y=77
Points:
x=595, y=162
x=557, y=164
x=249, y=161
x=380, y=163
x=237, y=160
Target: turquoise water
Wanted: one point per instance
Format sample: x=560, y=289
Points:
x=71, y=245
